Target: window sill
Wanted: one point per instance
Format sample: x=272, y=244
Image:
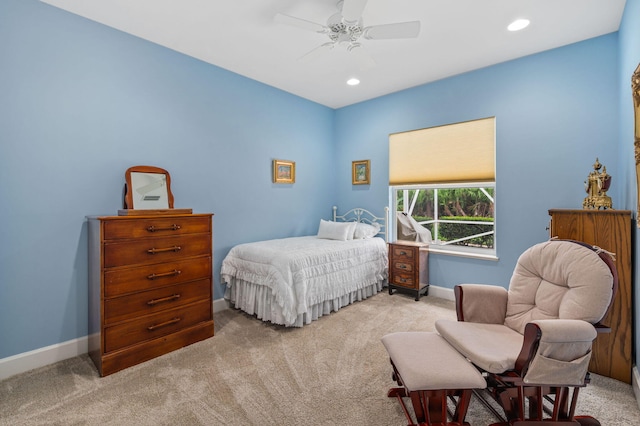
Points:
x=463, y=253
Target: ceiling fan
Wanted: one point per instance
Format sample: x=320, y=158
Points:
x=345, y=28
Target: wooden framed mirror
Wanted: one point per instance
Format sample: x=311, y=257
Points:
x=147, y=188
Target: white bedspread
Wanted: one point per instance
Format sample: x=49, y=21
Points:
x=304, y=271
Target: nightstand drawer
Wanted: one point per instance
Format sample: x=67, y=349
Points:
x=403, y=266
x=404, y=280
x=399, y=253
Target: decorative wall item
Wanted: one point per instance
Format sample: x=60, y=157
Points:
x=635, y=90
x=597, y=185
x=360, y=172
x=284, y=171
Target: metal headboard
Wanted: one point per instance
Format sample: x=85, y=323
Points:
x=365, y=216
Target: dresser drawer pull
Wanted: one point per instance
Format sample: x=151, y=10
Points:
x=402, y=266
x=173, y=227
x=163, y=299
x=163, y=324
x=164, y=250
x=164, y=274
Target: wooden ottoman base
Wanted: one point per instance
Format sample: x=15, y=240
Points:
x=430, y=372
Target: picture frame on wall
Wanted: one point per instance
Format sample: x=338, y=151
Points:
x=360, y=172
x=284, y=171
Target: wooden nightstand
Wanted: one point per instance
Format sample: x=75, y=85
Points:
x=409, y=267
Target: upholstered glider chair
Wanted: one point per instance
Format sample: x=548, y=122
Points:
x=532, y=342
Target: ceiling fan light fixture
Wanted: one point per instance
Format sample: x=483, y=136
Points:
x=518, y=24
x=345, y=29
x=353, y=81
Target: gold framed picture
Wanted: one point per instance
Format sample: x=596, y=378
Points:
x=360, y=172
x=284, y=171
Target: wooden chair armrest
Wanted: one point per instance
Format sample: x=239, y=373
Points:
x=532, y=334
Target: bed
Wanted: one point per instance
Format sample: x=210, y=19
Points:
x=294, y=281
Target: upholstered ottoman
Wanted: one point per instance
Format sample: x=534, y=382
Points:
x=429, y=370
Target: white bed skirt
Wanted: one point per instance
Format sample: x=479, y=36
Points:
x=257, y=300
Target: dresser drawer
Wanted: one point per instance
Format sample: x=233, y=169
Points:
x=152, y=301
x=403, y=253
x=143, y=227
x=155, y=250
x=128, y=280
x=154, y=326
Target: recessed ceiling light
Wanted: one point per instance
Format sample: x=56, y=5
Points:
x=353, y=82
x=518, y=25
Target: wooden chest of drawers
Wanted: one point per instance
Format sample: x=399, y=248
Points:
x=409, y=267
x=150, y=286
x=611, y=230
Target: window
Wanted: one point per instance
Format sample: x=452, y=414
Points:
x=460, y=217
x=444, y=177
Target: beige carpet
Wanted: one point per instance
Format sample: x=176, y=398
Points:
x=332, y=372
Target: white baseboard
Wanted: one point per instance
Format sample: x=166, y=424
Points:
x=441, y=292
x=41, y=357
x=37, y=358
x=635, y=383
x=220, y=305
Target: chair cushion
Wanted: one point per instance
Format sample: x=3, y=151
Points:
x=426, y=362
x=492, y=347
x=558, y=279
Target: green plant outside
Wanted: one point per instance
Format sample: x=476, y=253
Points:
x=454, y=231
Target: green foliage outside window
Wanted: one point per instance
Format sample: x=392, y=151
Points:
x=455, y=204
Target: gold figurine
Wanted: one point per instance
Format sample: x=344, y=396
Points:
x=597, y=185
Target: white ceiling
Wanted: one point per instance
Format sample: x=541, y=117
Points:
x=456, y=36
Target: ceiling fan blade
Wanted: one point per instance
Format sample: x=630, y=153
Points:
x=318, y=51
x=352, y=9
x=281, y=18
x=390, y=31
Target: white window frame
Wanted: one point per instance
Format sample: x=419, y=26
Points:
x=438, y=246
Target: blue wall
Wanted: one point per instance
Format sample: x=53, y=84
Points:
x=80, y=103
x=555, y=113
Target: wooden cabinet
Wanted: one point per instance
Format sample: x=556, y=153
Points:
x=409, y=267
x=150, y=286
x=611, y=231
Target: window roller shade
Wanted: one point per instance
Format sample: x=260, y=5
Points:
x=460, y=152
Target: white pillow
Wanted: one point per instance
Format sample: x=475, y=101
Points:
x=336, y=230
x=364, y=230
